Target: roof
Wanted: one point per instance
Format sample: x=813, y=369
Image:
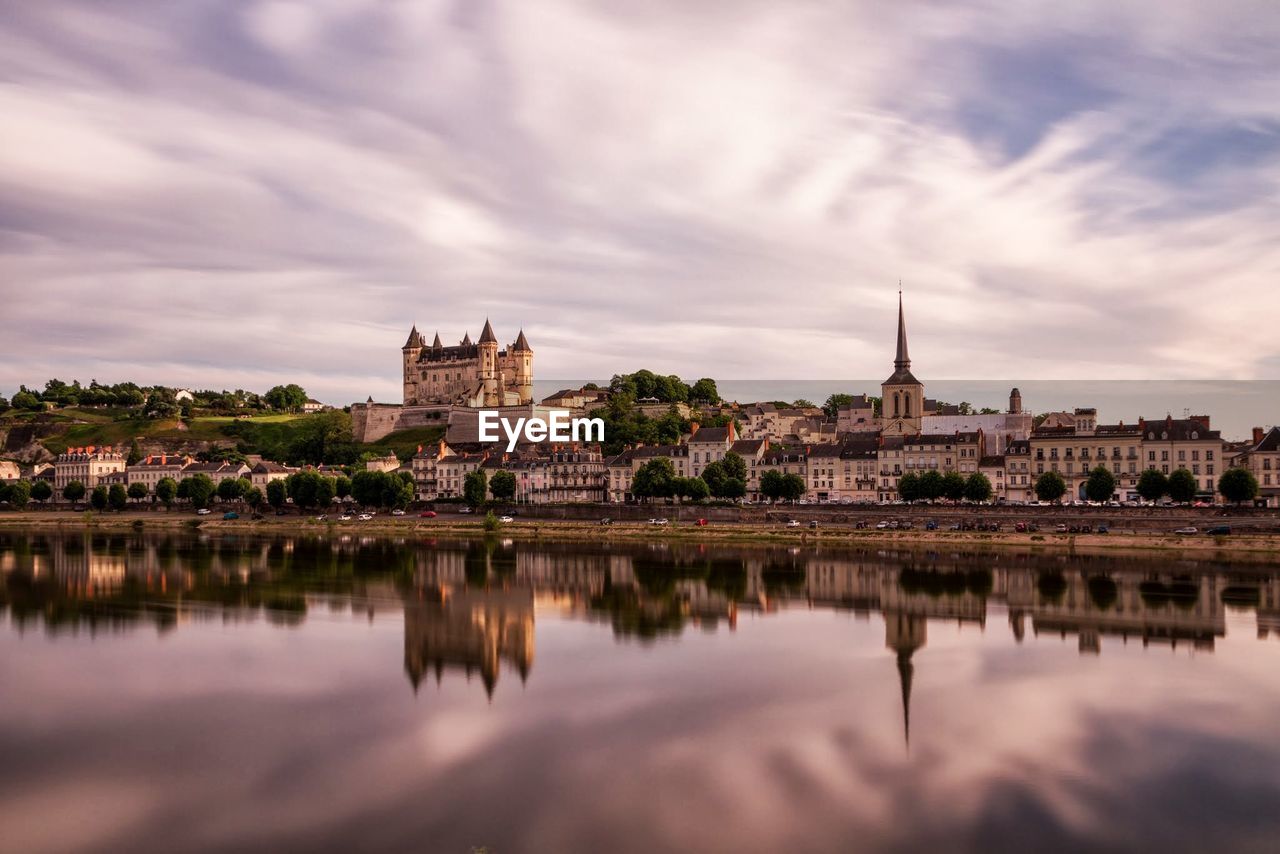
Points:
x=991, y=462
x=486, y=334
x=415, y=340
x=746, y=447
x=1270, y=442
x=269, y=467
x=521, y=344
x=710, y=434
x=1177, y=430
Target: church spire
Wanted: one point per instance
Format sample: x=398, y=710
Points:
x=902, y=361
x=905, y=671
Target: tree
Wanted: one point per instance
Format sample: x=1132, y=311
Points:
x=41, y=490
x=137, y=490
x=909, y=487
x=655, y=479
x=1101, y=484
x=1152, y=484
x=73, y=491
x=342, y=486
x=366, y=488
x=693, y=488
x=733, y=488
x=834, y=402
x=198, y=489
x=26, y=400
x=1238, y=485
x=735, y=466
x=931, y=484
x=277, y=493
x=803, y=403
x=793, y=487
x=1182, y=486
x=287, y=398
x=1050, y=486
x=978, y=487
x=474, y=487
x=503, y=485
x=953, y=484
x=118, y=497
x=230, y=489
x=166, y=490
x=253, y=497
x=704, y=391
x=99, y=498
x=19, y=493
x=310, y=489
x=4, y=404
x=714, y=476
x=771, y=484
x=135, y=454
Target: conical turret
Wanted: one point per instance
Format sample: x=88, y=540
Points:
x=436, y=345
x=486, y=334
x=466, y=339
x=415, y=340
x=522, y=344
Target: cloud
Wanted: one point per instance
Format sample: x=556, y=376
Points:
x=272, y=191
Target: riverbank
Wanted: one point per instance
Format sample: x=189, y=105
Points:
x=1234, y=547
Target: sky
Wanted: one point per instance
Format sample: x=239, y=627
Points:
x=212, y=194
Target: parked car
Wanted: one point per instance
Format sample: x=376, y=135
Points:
x=464, y=510
x=1189, y=529
x=658, y=522
x=365, y=517
x=793, y=523
x=880, y=526
x=606, y=521
x=1103, y=529
x=397, y=512
x=322, y=517
x=345, y=517
x=931, y=525
x=860, y=525
x=505, y=519
x=1060, y=528
x=203, y=511
x=701, y=523
x=230, y=515
x=1218, y=530
x=427, y=514
x=1020, y=527
x=813, y=523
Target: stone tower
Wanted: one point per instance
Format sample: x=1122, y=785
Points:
x=902, y=395
x=1015, y=402
x=411, y=350
x=488, y=346
x=523, y=355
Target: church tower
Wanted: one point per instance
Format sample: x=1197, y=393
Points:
x=902, y=395
x=488, y=346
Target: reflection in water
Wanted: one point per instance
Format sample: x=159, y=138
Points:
x=471, y=608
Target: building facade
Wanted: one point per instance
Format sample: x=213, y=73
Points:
x=467, y=374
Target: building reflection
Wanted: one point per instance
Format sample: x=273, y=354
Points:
x=469, y=608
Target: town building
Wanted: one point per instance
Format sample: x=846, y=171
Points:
x=1184, y=443
x=265, y=471
x=1261, y=456
x=87, y=465
x=155, y=468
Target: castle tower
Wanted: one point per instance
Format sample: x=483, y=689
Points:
x=902, y=395
x=411, y=350
x=523, y=354
x=1015, y=402
x=488, y=346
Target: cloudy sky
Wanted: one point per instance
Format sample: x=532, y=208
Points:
x=213, y=193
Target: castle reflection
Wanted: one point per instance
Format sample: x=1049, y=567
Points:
x=470, y=607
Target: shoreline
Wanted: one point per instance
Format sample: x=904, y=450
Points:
x=1234, y=547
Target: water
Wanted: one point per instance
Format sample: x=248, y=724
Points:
x=184, y=693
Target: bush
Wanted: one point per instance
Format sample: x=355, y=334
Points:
x=491, y=522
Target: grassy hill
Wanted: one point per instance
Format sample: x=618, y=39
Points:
x=269, y=435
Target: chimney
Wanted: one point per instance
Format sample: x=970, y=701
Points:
x=732, y=433
x=1257, y=435
x=693, y=428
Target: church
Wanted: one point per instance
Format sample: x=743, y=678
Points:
x=468, y=374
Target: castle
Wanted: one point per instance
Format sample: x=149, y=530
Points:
x=469, y=374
